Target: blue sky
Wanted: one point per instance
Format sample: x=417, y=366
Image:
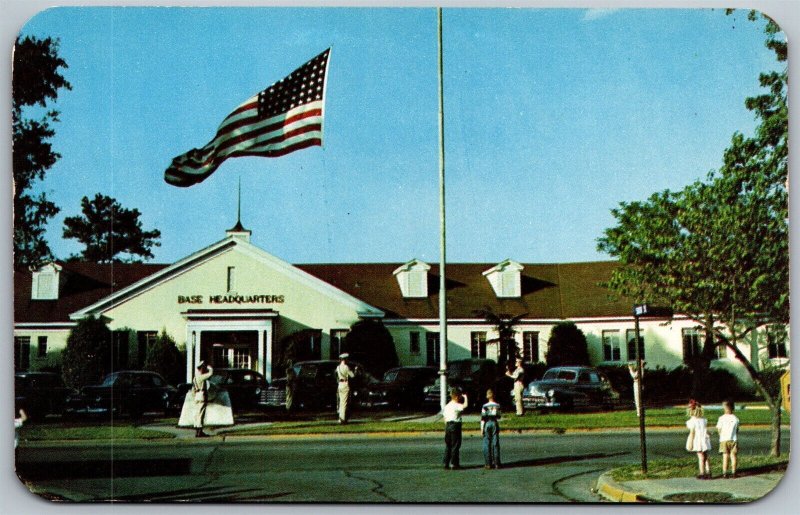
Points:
x=552, y=117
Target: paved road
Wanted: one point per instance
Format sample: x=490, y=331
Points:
x=538, y=468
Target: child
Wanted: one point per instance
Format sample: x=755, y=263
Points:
x=490, y=431
x=18, y=421
x=452, y=430
x=728, y=429
x=698, y=440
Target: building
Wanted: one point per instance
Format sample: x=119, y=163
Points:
x=232, y=303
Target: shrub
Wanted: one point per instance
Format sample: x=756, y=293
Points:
x=371, y=344
x=164, y=357
x=567, y=346
x=87, y=357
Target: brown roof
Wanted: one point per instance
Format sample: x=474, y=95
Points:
x=549, y=291
x=82, y=284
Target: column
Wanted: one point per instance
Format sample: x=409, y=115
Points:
x=267, y=335
x=189, y=353
x=260, y=359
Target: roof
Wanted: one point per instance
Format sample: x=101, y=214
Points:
x=549, y=291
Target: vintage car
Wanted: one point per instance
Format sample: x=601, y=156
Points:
x=570, y=387
x=40, y=394
x=127, y=392
x=245, y=387
x=315, y=385
x=472, y=376
x=401, y=387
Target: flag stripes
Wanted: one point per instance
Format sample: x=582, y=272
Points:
x=285, y=117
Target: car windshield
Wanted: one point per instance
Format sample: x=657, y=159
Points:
x=563, y=375
x=390, y=376
x=110, y=380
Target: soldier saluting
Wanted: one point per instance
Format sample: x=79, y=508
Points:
x=343, y=375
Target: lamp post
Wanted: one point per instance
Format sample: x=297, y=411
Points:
x=640, y=310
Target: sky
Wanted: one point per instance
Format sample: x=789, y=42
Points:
x=552, y=118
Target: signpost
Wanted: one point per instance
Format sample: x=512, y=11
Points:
x=638, y=311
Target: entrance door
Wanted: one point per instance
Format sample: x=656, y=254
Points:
x=229, y=349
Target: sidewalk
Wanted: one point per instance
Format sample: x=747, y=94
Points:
x=689, y=490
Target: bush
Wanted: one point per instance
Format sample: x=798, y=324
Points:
x=371, y=344
x=567, y=346
x=662, y=386
x=164, y=357
x=87, y=357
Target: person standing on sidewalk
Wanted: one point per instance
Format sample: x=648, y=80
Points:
x=343, y=375
x=490, y=431
x=699, y=441
x=518, y=375
x=200, y=387
x=728, y=429
x=452, y=428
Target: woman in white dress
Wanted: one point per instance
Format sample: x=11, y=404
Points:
x=699, y=440
x=205, y=404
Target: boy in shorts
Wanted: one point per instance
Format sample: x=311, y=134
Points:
x=728, y=429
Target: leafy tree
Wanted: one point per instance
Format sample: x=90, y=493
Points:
x=504, y=324
x=371, y=344
x=36, y=80
x=87, y=357
x=164, y=357
x=567, y=346
x=108, y=230
x=717, y=251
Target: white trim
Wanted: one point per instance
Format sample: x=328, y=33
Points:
x=533, y=321
x=52, y=326
x=212, y=251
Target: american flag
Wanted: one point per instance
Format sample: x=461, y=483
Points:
x=285, y=117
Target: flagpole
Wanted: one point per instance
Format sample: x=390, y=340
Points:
x=442, y=240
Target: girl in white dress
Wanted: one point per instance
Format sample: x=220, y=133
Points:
x=699, y=440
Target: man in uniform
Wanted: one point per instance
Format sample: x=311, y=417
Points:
x=518, y=375
x=200, y=391
x=343, y=375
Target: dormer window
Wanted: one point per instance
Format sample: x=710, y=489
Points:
x=505, y=279
x=45, y=282
x=413, y=279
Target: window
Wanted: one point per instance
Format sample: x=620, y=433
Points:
x=691, y=344
x=337, y=341
x=630, y=336
x=530, y=346
x=22, y=353
x=413, y=343
x=231, y=278
x=776, y=342
x=611, y=350
x=144, y=339
x=418, y=283
x=241, y=357
x=432, y=341
x=41, y=347
x=478, y=344
x=720, y=351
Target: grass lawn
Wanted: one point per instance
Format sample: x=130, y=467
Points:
x=87, y=431
x=557, y=422
x=687, y=467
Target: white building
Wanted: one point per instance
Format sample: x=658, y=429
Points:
x=232, y=303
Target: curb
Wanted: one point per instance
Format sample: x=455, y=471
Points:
x=615, y=492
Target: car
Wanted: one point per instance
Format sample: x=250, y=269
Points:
x=567, y=388
x=244, y=386
x=473, y=376
x=401, y=387
x=127, y=392
x=40, y=394
x=315, y=385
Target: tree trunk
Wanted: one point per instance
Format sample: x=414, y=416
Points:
x=775, y=448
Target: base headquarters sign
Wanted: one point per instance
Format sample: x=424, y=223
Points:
x=231, y=299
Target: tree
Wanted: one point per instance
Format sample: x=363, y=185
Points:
x=370, y=343
x=108, y=230
x=504, y=324
x=36, y=80
x=87, y=357
x=717, y=251
x=567, y=346
x=164, y=357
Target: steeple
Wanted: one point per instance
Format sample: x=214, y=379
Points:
x=238, y=230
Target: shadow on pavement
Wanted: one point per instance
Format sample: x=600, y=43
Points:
x=551, y=460
x=90, y=469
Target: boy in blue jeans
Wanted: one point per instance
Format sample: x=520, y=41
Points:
x=490, y=430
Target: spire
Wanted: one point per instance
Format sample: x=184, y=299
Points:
x=238, y=230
